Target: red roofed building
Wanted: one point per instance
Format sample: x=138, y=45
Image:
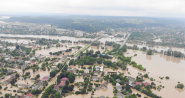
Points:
x=32, y=62
x=147, y=84
x=34, y=47
x=138, y=83
x=29, y=95
x=62, y=83
x=45, y=78
x=64, y=79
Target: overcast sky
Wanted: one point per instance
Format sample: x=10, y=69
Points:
x=157, y=8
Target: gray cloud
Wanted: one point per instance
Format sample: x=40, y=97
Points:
x=164, y=8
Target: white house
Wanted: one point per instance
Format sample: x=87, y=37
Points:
x=117, y=84
x=27, y=62
x=101, y=68
x=32, y=58
x=97, y=68
x=86, y=70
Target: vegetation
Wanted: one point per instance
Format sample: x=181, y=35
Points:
x=180, y=85
x=149, y=52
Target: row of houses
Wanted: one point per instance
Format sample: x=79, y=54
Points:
x=12, y=76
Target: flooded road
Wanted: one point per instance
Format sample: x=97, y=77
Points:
x=159, y=65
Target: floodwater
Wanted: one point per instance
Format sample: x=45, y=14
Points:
x=10, y=90
x=134, y=91
x=103, y=40
x=45, y=52
x=158, y=48
x=25, y=41
x=46, y=37
x=159, y=65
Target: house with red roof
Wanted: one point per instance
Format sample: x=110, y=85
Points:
x=32, y=62
x=62, y=83
x=28, y=95
x=146, y=84
x=34, y=47
x=45, y=78
x=57, y=87
x=138, y=83
x=64, y=79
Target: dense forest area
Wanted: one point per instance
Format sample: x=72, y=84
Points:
x=97, y=23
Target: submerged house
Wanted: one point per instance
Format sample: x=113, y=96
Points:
x=38, y=85
x=104, y=85
x=131, y=80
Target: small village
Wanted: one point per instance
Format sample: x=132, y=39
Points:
x=72, y=69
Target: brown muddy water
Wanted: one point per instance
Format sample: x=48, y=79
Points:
x=158, y=48
x=159, y=65
x=45, y=52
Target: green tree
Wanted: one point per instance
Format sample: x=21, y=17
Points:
x=67, y=82
x=71, y=77
x=17, y=46
x=57, y=95
x=149, y=52
x=7, y=95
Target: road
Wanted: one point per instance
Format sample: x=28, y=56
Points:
x=52, y=81
x=124, y=42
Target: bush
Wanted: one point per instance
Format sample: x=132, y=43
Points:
x=181, y=86
x=167, y=77
x=146, y=75
x=77, y=92
x=139, y=95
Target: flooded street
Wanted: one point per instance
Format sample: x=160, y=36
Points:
x=159, y=65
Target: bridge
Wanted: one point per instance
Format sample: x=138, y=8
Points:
x=124, y=42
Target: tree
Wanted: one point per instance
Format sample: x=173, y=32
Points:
x=149, y=52
x=71, y=77
x=180, y=85
x=83, y=91
x=37, y=76
x=17, y=46
x=33, y=69
x=58, y=95
x=36, y=92
x=0, y=87
x=23, y=71
x=7, y=95
x=67, y=82
x=50, y=53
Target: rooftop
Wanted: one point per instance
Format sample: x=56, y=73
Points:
x=29, y=95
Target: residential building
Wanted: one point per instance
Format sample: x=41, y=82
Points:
x=131, y=80
x=118, y=80
x=25, y=86
x=79, y=33
x=120, y=95
x=38, y=85
x=45, y=78
x=146, y=84
x=96, y=72
x=64, y=79
x=64, y=57
x=94, y=78
x=57, y=88
x=104, y=85
x=28, y=95
x=86, y=70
